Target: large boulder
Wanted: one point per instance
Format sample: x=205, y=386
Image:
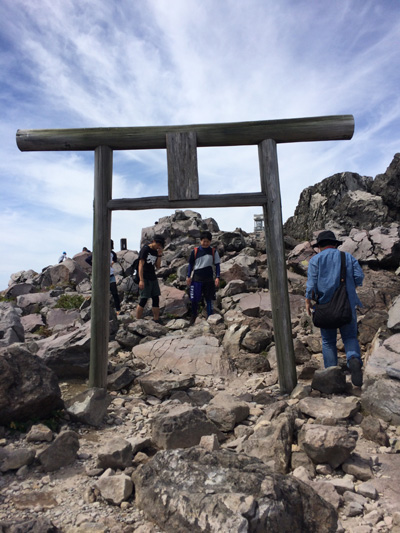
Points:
x=28, y=388
x=378, y=246
x=201, y=356
x=243, y=495
x=381, y=390
x=68, y=354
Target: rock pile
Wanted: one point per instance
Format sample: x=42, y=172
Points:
x=193, y=433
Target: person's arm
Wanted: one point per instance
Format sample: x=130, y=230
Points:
x=358, y=273
x=158, y=262
x=217, y=274
x=190, y=268
x=311, y=287
x=140, y=270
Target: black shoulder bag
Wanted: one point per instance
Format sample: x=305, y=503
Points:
x=337, y=312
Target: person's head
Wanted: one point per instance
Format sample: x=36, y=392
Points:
x=158, y=242
x=205, y=239
x=326, y=238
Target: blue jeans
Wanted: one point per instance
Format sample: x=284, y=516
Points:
x=348, y=333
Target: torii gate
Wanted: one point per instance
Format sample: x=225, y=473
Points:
x=181, y=143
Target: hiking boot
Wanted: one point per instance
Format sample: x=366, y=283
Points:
x=356, y=373
x=192, y=320
x=157, y=321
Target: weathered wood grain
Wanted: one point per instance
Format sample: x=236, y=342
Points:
x=100, y=309
x=183, y=177
x=328, y=128
x=204, y=200
x=277, y=276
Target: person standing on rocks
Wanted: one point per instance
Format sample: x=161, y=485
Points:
x=322, y=280
x=150, y=259
x=200, y=276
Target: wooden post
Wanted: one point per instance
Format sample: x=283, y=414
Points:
x=183, y=177
x=277, y=266
x=100, y=325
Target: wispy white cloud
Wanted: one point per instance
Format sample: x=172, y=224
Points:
x=97, y=63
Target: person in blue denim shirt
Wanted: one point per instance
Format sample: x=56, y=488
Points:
x=323, y=278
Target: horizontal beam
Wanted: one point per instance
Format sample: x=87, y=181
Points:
x=204, y=200
x=329, y=128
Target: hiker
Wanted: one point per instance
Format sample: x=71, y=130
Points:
x=113, y=282
x=62, y=257
x=150, y=260
x=200, y=275
x=322, y=280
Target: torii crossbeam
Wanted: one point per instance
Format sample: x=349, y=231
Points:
x=181, y=143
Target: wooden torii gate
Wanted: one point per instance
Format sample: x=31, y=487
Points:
x=181, y=143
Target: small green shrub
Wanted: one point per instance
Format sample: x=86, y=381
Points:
x=70, y=301
x=44, y=331
x=171, y=278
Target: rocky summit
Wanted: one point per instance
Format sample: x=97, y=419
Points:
x=192, y=433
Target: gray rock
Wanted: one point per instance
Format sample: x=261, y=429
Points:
x=381, y=394
x=359, y=467
x=117, y=453
x=272, y=443
x=326, y=444
x=162, y=384
x=242, y=495
x=378, y=246
x=15, y=458
x=115, y=488
x=39, y=433
x=330, y=380
x=182, y=427
x=226, y=411
x=11, y=328
x=67, y=354
x=33, y=303
x=121, y=379
x=373, y=429
x=394, y=316
x=36, y=525
x=89, y=407
x=257, y=340
x=32, y=323
x=28, y=388
x=201, y=356
x=335, y=409
x=61, y=452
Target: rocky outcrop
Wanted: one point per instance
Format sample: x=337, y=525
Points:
x=345, y=201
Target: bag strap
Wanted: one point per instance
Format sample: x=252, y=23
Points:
x=197, y=248
x=342, y=267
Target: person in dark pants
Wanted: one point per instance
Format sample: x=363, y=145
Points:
x=323, y=279
x=150, y=260
x=113, y=283
x=200, y=275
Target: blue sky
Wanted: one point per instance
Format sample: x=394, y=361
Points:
x=95, y=63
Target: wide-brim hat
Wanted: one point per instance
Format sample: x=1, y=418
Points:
x=326, y=236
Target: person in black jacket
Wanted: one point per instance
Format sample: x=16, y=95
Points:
x=200, y=276
x=150, y=259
